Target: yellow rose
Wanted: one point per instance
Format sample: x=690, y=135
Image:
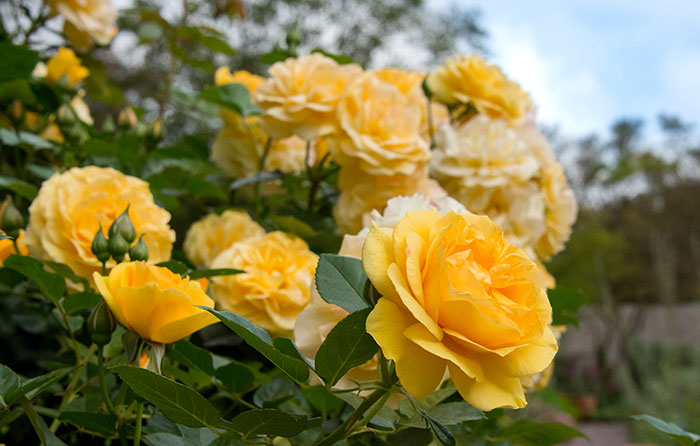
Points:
x=215, y=233
x=65, y=63
x=301, y=94
x=65, y=216
x=7, y=246
x=154, y=302
x=279, y=270
x=251, y=81
x=464, y=79
x=86, y=21
x=361, y=193
x=457, y=295
x=381, y=129
x=560, y=210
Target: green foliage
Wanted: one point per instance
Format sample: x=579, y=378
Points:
x=232, y=96
x=681, y=436
x=268, y=422
x=530, y=433
x=340, y=280
x=565, y=303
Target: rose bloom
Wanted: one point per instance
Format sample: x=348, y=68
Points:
x=360, y=193
x=301, y=94
x=223, y=76
x=155, y=303
x=65, y=63
x=457, y=296
x=381, y=128
x=465, y=79
x=215, y=233
x=86, y=21
x=7, y=246
x=65, y=216
x=275, y=287
x=509, y=173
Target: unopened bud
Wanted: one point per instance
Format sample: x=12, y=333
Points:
x=424, y=86
x=101, y=323
x=293, y=38
x=155, y=130
x=118, y=247
x=108, y=125
x=139, y=251
x=122, y=225
x=65, y=115
x=100, y=246
x=12, y=220
x=17, y=110
x=127, y=118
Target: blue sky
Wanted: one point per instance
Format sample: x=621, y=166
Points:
x=587, y=62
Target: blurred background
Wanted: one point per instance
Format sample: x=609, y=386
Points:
x=617, y=85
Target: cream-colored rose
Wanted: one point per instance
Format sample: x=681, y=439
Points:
x=70, y=206
x=86, y=21
x=469, y=79
x=300, y=96
x=508, y=172
x=276, y=285
x=208, y=237
x=360, y=193
x=381, y=129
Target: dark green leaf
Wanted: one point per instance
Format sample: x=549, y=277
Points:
x=321, y=400
x=226, y=440
x=681, y=436
x=16, y=61
x=442, y=433
x=10, y=278
x=287, y=223
x=340, y=58
x=21, y=188
x=51, y=285
x=530, y=433
x=175, y=266
x=275, y=392
x=65, y=271
x=261, y=177
x=411, y=437
x=340, y=281
x=268, y=422
x=232, y=96
x=455, y=413
x=346, y=346
x=200, y=187
x=9, y=382
x=80, y=301
x=236, y=377
x=101, y=424
x=565, y=302
x=274, y=56
x=260, y=340
x=192, y=356
x=386, y=417
x=46, y=436
x=217, y=45
x=206, y=273
x=178, y=403
x=34, y=386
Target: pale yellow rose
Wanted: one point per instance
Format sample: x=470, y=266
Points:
x=65, y=63
x=469, y=79
x=279, y=270
x=508, y=172
x=86, y=21
x=70, y=206
x=208, y=237
x=154, y=302
x=361, y=193
x=381, y=129
x=7, y=246
x=251, y=81
x=457, y=296
x=300, y=96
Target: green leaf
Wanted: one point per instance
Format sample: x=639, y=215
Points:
x=340, y=281
x=385, y=418
x=10, y=278
x=276, y=55
x=206, y=273
x=268, y=422
x=674, y=431
x=275, y=392
x=192, y=356
x=232, y=96
x=34, y=386
x=235, y=377
x=455, y=413
x=175, y=266
x=347, y=345
x=100, y=424
x=565, y=302
x=21, y=188
x=65, y=271
x=260, y=340
x=226, y=440
x=51, y=285
x=340, y=58
x=200, y=187
x=442, y=433
x=46, y=437
x=16, y=61
x=80, y=301
x=9, y=382
x=178, y=403
x=530, y=433
x=217, y=45
x=321, y=400
x=168, y=439
x=411, y=437
x=287, y=223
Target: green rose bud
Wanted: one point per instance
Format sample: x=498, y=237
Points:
x=101, y=323
x=118, y=247
x=139, y=251
x=108, y=125
x=100, y=246
x=12, y=220
x=122, y=225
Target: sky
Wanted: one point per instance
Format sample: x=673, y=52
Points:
x=589, y=62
